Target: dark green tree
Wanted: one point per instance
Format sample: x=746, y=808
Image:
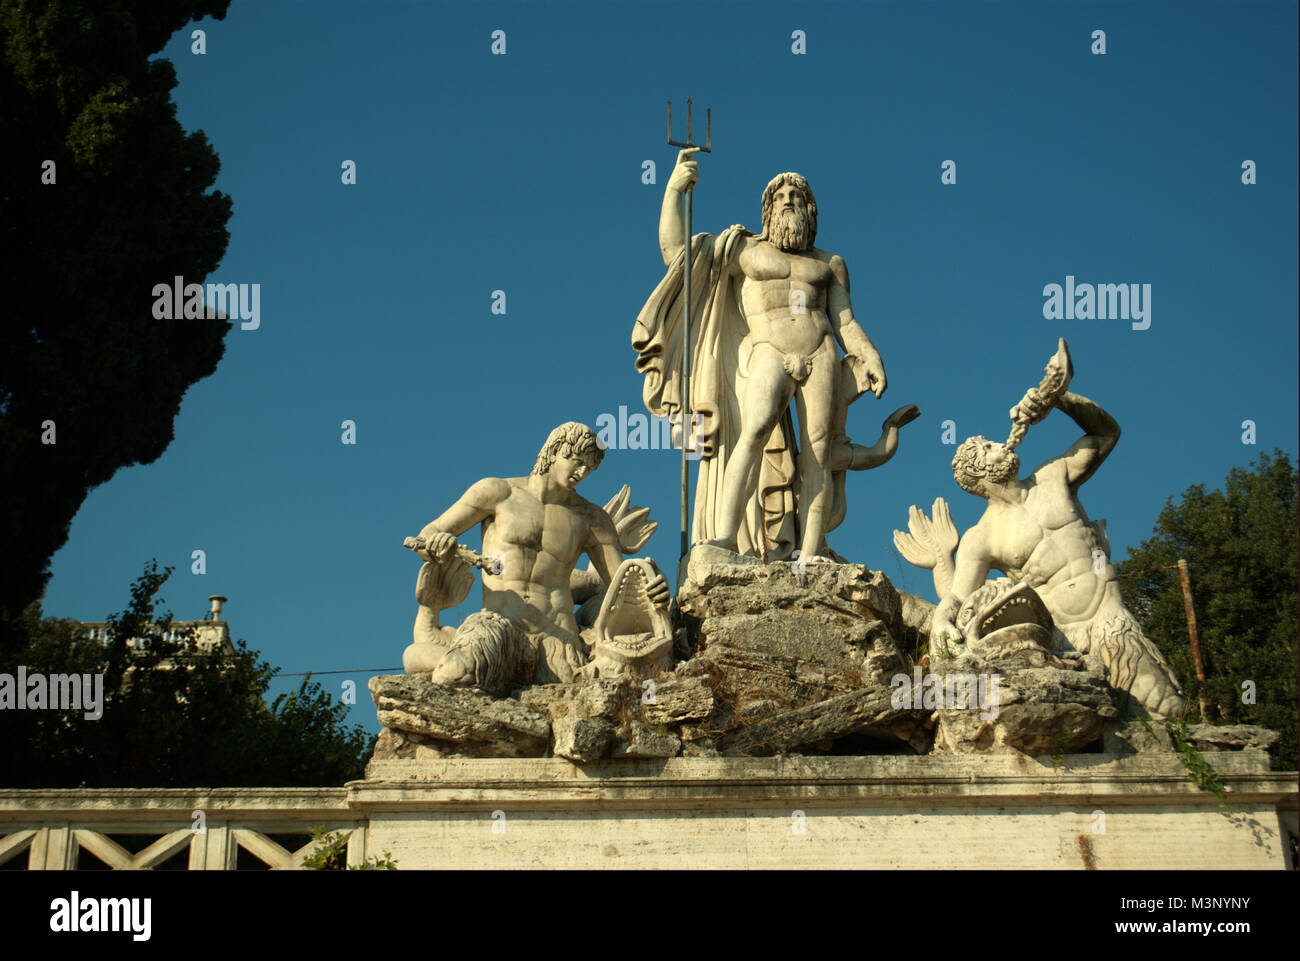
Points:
x=126, y=205
x=1240, y=544
x=173, y=716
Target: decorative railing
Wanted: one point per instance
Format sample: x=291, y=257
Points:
x=55, y=829
x=208, y=635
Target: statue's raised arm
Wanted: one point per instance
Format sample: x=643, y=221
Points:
x=1085, y=455
x=672, y=226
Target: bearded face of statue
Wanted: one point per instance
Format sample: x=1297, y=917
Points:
x=1002, y=463
x=791, y=229
x=789, y=213
x=981, y=460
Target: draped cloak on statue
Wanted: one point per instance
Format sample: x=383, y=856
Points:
x=720, y=349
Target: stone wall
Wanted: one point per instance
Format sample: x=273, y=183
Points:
x=818, y=812
x=967, y=811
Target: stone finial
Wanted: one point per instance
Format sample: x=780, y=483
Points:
x=217, y=600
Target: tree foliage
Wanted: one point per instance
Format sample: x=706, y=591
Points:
x=129, y=208
x=331, y=854
x=1240, y=544
x=173, y=716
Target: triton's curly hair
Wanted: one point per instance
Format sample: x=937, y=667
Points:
x=569, y=440
x=968, y=467
x=769, y=201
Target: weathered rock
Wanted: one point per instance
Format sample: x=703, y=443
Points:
x=599, y=697
x=748, y=685
x=829, y=612
x=581, y=739
x=1133, y=737
x=400, y=745
x=788, y=661
x=1124, y=736
x=916, y=612
x=604, y=698
x=1031, y=710
x=868, y=711
x=695, y=732
x=641, y=741
x=678, y=699
x=771, y=640
x=831, y=618
x=552, y=700
x=476, y=724
x=700, y=748
x=1231, y=737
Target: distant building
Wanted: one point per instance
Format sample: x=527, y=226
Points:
x=212, y=634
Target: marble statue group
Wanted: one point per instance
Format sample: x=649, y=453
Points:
x=776, y=360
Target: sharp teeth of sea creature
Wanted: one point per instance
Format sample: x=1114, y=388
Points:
x=630, y=629
x=1020, y=601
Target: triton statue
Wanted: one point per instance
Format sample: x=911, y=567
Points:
x=1036, y=531
x=534, y=530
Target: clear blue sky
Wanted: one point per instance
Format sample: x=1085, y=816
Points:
x=523, y=173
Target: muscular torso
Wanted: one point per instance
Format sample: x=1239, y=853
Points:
x=776, y=284
x=539, y=545
x=1048, y=542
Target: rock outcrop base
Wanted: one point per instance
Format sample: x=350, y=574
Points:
x=775, y=660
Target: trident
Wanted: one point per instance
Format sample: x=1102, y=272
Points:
x=686, y=306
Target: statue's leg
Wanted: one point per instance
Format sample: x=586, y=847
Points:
x=1136, y=667
x=490, y=653
x=431, y=644
x=815, y=402
x=438, y=586
x=559, y=658
x=767, y=394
